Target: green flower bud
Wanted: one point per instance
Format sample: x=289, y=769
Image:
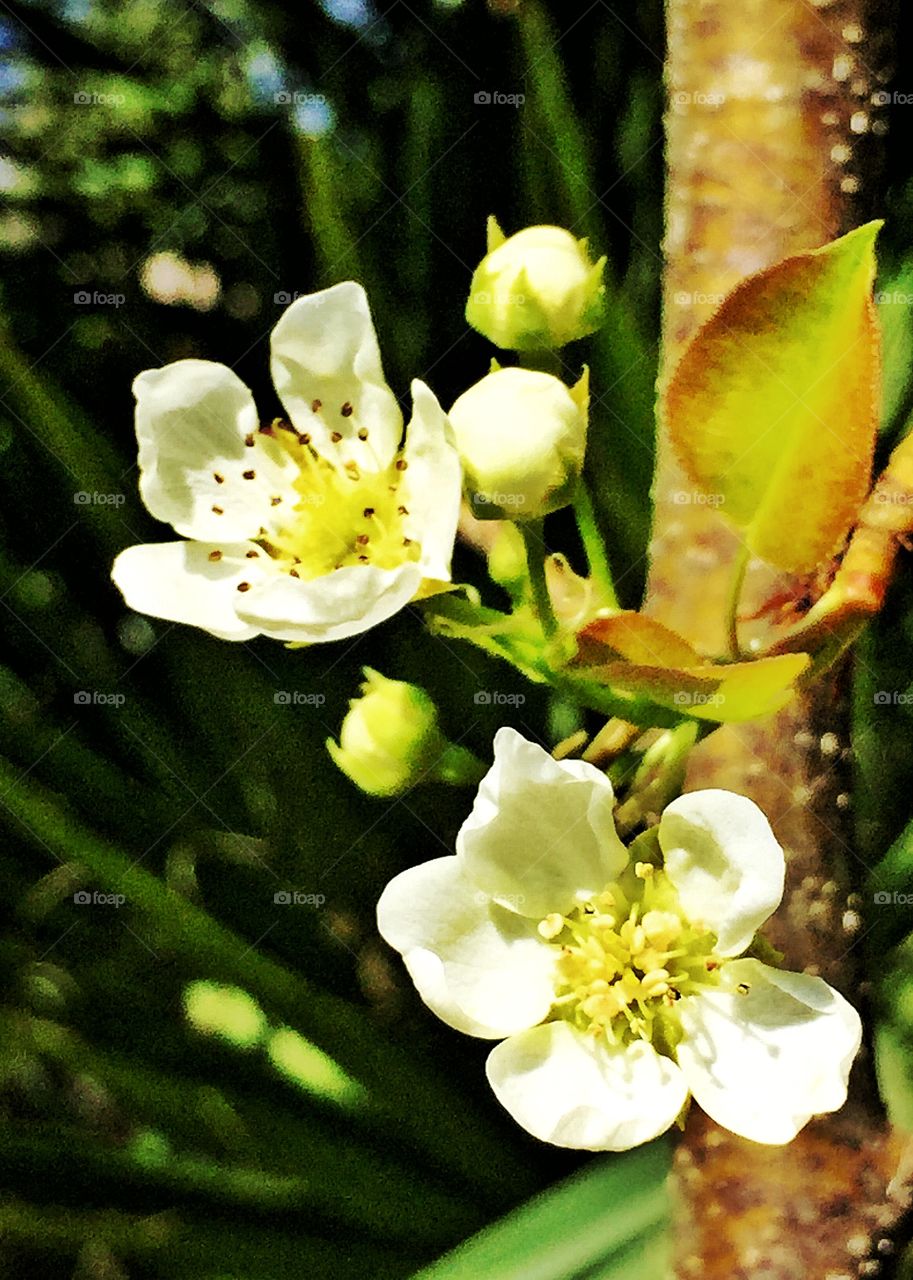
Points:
x=521, y=435
x=536, y=290
x=389, y=737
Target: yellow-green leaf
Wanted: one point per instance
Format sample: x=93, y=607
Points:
x=635, y=637
x=773, y=408
x=735, y=692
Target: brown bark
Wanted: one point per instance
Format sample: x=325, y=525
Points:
x=770, y=108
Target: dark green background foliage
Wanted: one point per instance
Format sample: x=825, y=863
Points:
x=132, y=1145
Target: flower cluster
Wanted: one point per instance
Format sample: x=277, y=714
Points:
x=618, y=988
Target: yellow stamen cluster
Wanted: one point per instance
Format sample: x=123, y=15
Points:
x=344, y=515
x=627, y=955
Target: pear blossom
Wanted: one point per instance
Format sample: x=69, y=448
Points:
x=618, y=985
x=311, y=529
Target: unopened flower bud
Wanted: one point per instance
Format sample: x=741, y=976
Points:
x=521, y=436
x=390, y=740
x=536, y=290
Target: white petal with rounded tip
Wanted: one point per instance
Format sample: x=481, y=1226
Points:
x=725, y=863
x=177, y=581
x=332, y=607
x=432, y=483
x=572, y=1090
x=541, y=834
x=763, y=1063
x=481, y=968
x=324, y=349
x=192, y=420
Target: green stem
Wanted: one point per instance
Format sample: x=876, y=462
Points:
x=593, y=545
x=459, y=767
x=735, y=595
x=533, y=532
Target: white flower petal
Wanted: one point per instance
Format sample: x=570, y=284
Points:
x=432, y=482
x=192, y=420
x=725, y=863
x=325, y=356
x=763, y=1063
x=178, y=581
x=569, y=1089
x=481, y=968
x=541, y=832
x=332, y=607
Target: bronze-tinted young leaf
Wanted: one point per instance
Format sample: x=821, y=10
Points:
x=634, y=637
x=735, y=692
x=773, y=408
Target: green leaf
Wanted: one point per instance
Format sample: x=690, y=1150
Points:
x=610, y=1220
x=773, y=408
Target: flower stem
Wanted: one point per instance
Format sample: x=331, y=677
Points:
x=593, y=545
x=533, y=532
x=735, y=595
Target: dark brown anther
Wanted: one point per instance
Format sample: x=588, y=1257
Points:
x=274, y=502
x=215, y=556
x=336, y=436
x=316, y=406
x=368, y=513
x=363, y=433
x=347, y=410
x=401, y=464
x=244, y=586
x=218, y=511
x=250, y=475
x=252, y=555
x=402, y=511
x=249, y=440
x=362, y=539
x=218, y=479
